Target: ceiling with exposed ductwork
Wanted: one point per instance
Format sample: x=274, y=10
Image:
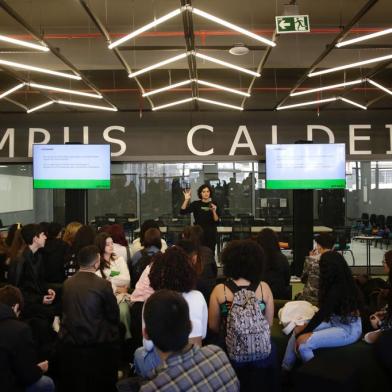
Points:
x=76, y=35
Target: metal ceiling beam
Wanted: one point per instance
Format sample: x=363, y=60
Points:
x=100, y=26
x=13, y=14
x=369, y=4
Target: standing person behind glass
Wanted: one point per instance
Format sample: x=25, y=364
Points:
x=337, y=322
x=205, y=213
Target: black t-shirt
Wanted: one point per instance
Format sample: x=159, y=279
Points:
x=202, y=213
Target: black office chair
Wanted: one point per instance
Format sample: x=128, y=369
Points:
x=343, y=241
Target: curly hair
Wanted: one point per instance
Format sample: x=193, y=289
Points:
x=268, y=240
x=200, y=189
x=172, y=270
x=243, y=259
x=336, y=278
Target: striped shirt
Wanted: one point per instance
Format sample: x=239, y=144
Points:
x=204, y=369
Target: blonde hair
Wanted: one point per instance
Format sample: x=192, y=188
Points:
x=70, y=231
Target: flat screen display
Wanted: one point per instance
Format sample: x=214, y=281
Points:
x=305, y=166
x=71, y=166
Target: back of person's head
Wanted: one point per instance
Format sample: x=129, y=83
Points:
x=44, y=227
x=54, y=229
x=11, y=233
x=88, y=256
x=187, y=246
x=172, y=270
x=268, y=240
x=194, y=233
x=325, y=240
x=83, y=237
x=148, y=224
x=30, y=231
x=167, y=322
x=336, y=276
x=11, y=295
x=243, y=259
x=152, y=237
x=116, y=231
x=70, y=231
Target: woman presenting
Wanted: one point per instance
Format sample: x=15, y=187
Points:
x=204, y=211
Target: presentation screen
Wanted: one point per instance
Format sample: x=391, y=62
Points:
x=71, y=166
x=305, y=166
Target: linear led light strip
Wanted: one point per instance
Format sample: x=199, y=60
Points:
x=85, y=105
x=374, y=84
x=64, y=90
x=220, y=87
x=232, y=26
x=332, y=86
x=225, y=64
x=197, y=99
x=306, y=103
x=170, y=87
x=4, y=38
x=364, y=37
x=147, y=27
x=167, y=105
x=218, y=103
x=352, y=65
x=352, y=103
x=157, y=65
x=10, y=91
x=40, y=106
x=38, y=69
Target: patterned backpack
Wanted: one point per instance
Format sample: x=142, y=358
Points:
x=248, y=336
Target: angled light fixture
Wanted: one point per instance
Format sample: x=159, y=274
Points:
x=218, y=103
x=64, y=90
x=157, y=65
x=10, y=91
x=166, y=88
x=225, y=64
x=352, y=65
x=220, y=87
x=38, y=69
x=364, y=37
x=44, y=105
x=232, y=26
x=85, y=105
x=352, y=103
x=374, y=84
x=147, y=27
x=306, y=103
x=167, y=105
x=330, y=87
x=26, y=44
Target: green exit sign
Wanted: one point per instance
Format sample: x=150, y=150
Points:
x=292, y=24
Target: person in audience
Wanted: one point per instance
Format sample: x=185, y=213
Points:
x=54, y=253
x=311, y=272
x=337, y=322
x=89, y=331
x=115, y=270
x=19, y=367
x=277, y=268
x=205, y=264
x=120, y=243
x=11, y=233
x=84, y=236
x=187, y=367
x=173, y=271
x=4, y=260
x=138, y=243
x=205, y=212
x=70, y=231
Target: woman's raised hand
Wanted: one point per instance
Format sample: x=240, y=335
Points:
x=187, y=194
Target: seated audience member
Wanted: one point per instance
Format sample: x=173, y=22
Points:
x=311, y=272
x=70, y=231
x=115, y=270
x=89, y=331
x=19, y=368
x=10, y=252
x=277, y=268
x=173, y=271
x=337, y=322
x=54, y=253
x=243, y=262
x=142, y=258
x=120, y=243
x=187, y=367
x=138, y=243
x=205, y=264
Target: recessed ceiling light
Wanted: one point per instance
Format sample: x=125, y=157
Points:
x=239, y=50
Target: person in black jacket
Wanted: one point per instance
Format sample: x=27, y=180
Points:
x=19, y=367
x=205, y=213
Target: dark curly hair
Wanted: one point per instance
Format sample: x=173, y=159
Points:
x=268, y=240
x=243, y=259
x=172, y=270
x=201, y=187
x=336, y=279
